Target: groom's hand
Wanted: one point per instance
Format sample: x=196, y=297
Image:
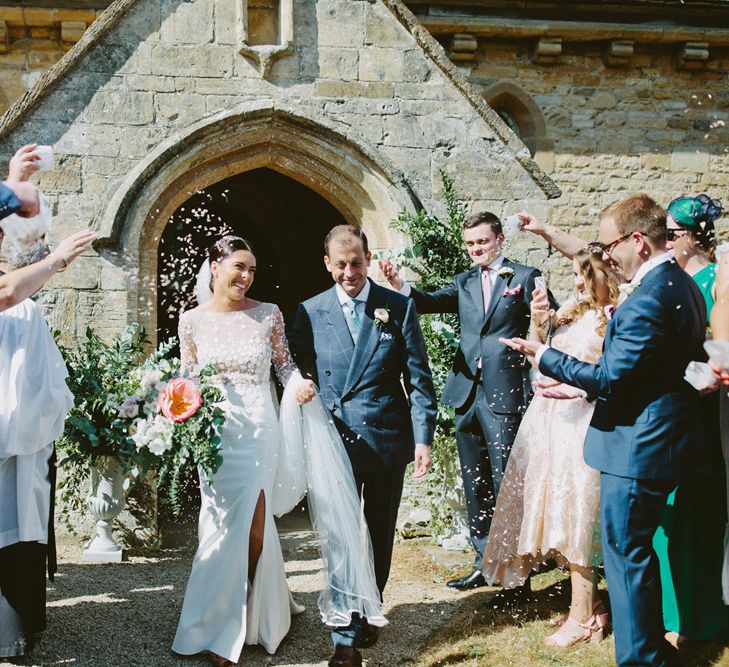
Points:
x=422, y=461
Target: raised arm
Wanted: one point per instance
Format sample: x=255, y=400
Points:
x=564, y=242
x=438, y=301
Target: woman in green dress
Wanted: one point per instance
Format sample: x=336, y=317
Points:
x=690, y=540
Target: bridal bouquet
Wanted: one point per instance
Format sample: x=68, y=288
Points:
x=139, y=409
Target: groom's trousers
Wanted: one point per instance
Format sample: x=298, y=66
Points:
x=381, y=492
x=630, y=512
x=484, y=441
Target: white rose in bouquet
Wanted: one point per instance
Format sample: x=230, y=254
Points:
x=155, y=434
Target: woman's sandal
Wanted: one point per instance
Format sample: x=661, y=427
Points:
x=595, y=629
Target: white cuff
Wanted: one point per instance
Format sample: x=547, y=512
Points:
x=539, y=354
x=405, y=289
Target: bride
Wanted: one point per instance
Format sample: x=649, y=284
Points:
x=237, y=592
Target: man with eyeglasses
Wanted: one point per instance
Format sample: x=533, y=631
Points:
x=646, y=431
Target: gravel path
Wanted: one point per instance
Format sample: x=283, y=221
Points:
x=126, y=614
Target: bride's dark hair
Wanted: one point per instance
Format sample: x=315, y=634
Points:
x=225, y=247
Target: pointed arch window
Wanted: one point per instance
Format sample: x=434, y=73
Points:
x=524, y=118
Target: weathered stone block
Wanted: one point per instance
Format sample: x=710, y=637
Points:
x=338, y=63
x=178, y=110
x=81, y=274
x=123, y=107
x=340, y=23
x=689, y=159
x=333, y=88
x=210, y=61
x=381, y=64
x=187, y=22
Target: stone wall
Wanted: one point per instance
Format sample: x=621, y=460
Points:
x=32, y=40
x=162, y=91
x=648, y=126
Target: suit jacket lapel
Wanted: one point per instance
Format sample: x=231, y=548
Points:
x=474, y=289
x=338, y=325
x=367, y=340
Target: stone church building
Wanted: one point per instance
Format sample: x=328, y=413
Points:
x=281, y=118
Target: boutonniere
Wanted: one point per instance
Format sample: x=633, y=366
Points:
x=505, y=272
x=382, y=316
x=626, y=289
x=514, y=291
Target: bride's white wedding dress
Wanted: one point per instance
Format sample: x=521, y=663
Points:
x=222, y=609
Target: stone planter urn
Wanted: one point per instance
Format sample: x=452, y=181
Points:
x=105, y=501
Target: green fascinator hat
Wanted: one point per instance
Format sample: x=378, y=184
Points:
x=699, y=212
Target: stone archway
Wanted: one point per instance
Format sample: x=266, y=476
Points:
x=316, y=152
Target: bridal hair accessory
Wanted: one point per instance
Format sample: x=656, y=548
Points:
x=382, y=316
x=203, y=292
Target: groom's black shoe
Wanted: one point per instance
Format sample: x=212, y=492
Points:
x=473, y=580
x=367, y=636
x=345, y=656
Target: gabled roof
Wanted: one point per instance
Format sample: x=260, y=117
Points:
x=407, y=19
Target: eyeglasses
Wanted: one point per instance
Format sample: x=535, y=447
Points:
x=674, y=234
x=609, y=247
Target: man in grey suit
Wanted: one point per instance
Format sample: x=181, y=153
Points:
x=489, y=384
x=363, y=346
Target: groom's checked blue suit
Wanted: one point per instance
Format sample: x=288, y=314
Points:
x=645, y=435
x=379, y=390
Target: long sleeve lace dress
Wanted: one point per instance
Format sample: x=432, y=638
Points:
x=223, y=609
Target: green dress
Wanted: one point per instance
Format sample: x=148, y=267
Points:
x=690, y=539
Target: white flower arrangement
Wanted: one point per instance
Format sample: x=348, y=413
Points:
x=154, y=434
x=626, y=289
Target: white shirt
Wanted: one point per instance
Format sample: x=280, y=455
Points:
x=641, y=273
x=492, y=268
x=344, y=299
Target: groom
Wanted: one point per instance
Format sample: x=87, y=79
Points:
x=645, y=433
x=363, y=346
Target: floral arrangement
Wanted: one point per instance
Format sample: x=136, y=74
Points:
x=139, y=409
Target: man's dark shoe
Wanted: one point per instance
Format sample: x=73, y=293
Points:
x=367, y=636
x=473, y=580
x=506, y=600
x=346, y=656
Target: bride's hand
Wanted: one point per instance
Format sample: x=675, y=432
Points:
x=305, y=392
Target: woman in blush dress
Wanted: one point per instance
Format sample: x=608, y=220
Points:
x=237, y=593
x=548, y=506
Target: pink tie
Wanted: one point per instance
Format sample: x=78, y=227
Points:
x=486, y=282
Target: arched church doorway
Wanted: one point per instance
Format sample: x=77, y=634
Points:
x=285, y=221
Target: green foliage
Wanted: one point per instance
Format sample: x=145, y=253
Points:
x=116, y=413
x=437, y=254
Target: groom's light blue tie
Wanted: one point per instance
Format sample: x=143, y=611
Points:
x=353, y=319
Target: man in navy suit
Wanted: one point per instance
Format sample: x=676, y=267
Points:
x=489, y=384
x=646, y=431
x=363, y=346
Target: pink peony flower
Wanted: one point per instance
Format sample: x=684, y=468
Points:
x=180, y=399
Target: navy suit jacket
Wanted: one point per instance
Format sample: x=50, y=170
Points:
x=380, y=390
x=9, y=203
x=647, y=423
x=504, y=372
